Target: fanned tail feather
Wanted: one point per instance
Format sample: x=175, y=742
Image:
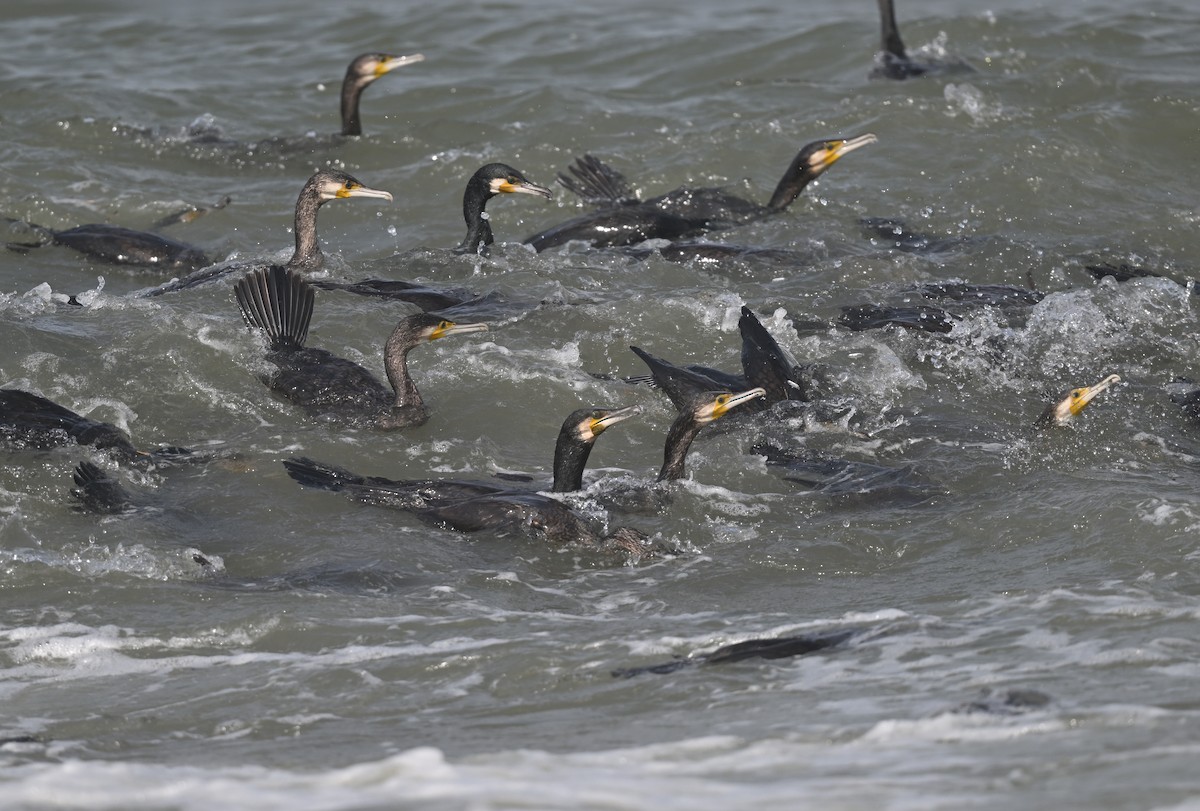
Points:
x=278, y=301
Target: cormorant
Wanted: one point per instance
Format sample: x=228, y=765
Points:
x=323, y=186
x=118, y=245
x=1065, y=410
x=363, y=70
x=473, y=506
x=623, y=219
x=893, y=62
x=278, y=301
x=31, y=421
x=575, y=440
x=490, y=180
x=782, y=647
x=696, y=401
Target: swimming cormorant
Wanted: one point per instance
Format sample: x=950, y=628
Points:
x=1065, y=410
x=323, y=186
x=118, y=245
x=576, y=437
x=893, y=62
x=279, y=302
x=490, y=180
x=698, y=404
x=623, y=219
x=31, y=421
x=473, y=506
x=363, y=70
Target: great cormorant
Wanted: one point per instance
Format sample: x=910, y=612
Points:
x=469, y=506
x=698, y=400
x=576, y=437
x=1064, y=410
x=323, y=186
x=279, y=302
x=362, y=71
x=623, y=219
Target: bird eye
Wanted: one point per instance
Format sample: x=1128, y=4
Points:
x=445, y=324
x=1076, y=394
x=722, y=399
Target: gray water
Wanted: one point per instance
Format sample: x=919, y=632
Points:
x=1024, y=615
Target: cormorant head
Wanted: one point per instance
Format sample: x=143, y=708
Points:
x=430, y=327
x=368, y=67
x=818, y=156
x=331, y=184
x=715, y=405
x=499, y=178
x=586, y=424
x=1063, y=411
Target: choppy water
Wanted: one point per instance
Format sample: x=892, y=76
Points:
x=1026, y=629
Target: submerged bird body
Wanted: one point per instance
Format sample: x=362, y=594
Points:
x=118, y=245
x=279, y=302
x=530, y=515
x=623, y=219
x=97, y=492
x=31, y=421
x=781, y=647
x=323, y=186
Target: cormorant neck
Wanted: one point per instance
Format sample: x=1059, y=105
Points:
x=352, y=89
x=479, y=230
x=570, y=458
x=395, y=362
x=891, y=33
x=791, y=184
x=308, y=250
x=679, y=440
